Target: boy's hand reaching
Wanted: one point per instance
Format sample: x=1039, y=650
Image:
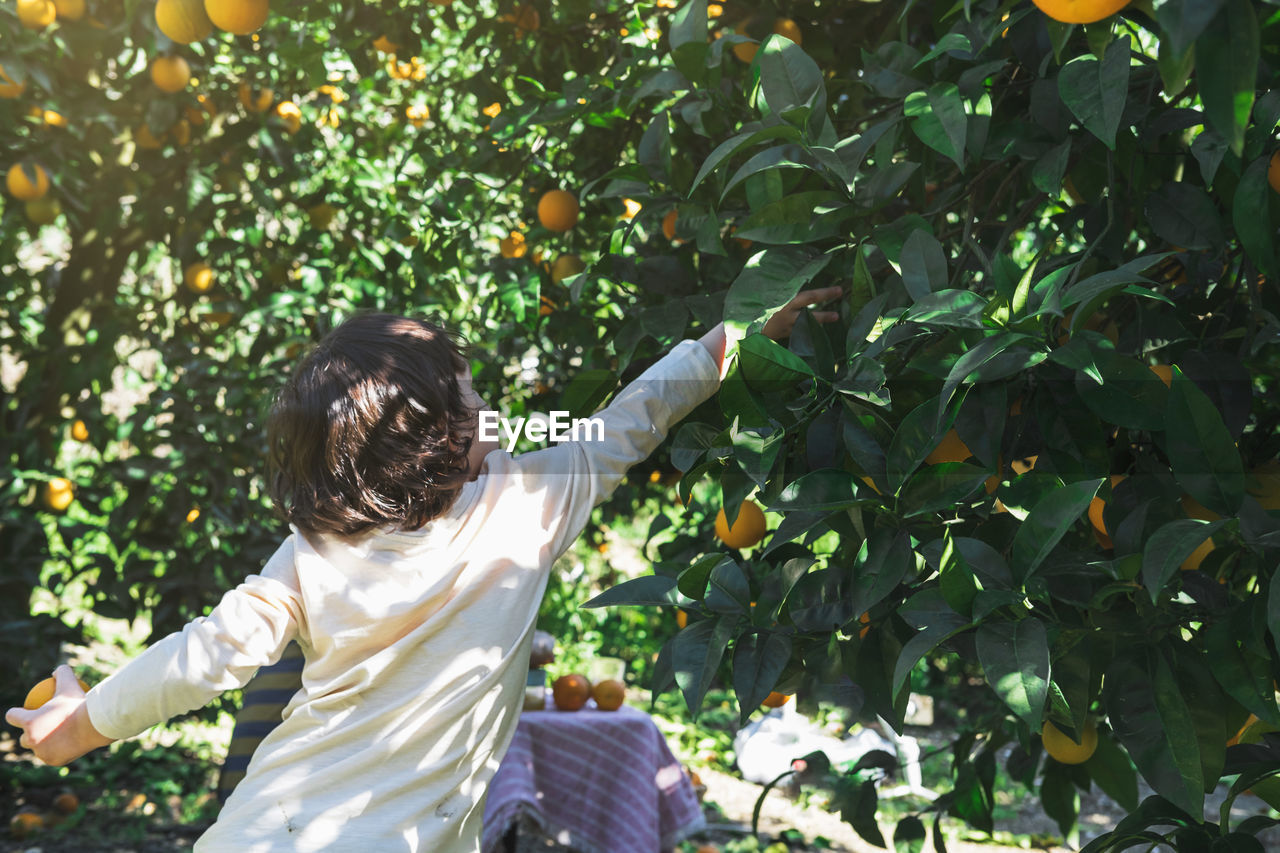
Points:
x=780, y=324
x=59, y=731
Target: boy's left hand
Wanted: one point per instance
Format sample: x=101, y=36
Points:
x=59, y=731
x=781, y=323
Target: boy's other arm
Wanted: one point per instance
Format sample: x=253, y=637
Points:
x=59, y=731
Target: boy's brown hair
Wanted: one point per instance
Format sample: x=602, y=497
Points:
x=372, y=429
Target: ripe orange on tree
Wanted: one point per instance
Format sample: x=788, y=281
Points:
x=288, y=112
x=513, y=245
x=570, y=692
x=170, y=73
x=950, y=449
x=24, y=824
x=36, y=14
x=558, y=210
x=1096, y=508
x=1273, y=171
x=776, y=699
x=66, y=803
x=785, y=27
x=1063, y=749
x=27, y=182
x=669, y=224
x=255, y=100
x=526, y=19
x=237, y=16
x=58, y=494
x=79, y=431
x=144, y=138
x=42, y=211
x=609, y=694
x=44, y=691
x=566, y=266
x=198, y=277
x=69, y=10
x=747, y=530
x=1165, y=372
x=385, y=45
x=183, y=21
x=1080, y=11
x=417, y=114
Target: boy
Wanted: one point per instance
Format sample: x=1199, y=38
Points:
x=417, y=559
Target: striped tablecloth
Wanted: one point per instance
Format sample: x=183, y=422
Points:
x=595, y=781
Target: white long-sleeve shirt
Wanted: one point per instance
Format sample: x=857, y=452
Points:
x=416, y=645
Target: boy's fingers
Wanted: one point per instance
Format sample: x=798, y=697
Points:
x=826, y=316
x=820, y=294
x=64, y=680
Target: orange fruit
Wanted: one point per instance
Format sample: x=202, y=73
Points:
x=1235, y=739
x=66, y=803
x=58, y=494
x=1066, y=751
x=183, y=21
x=630, y=207
x=669, y=224
x=79, y=431
x=950, y=449
x=237, y=16
x=255, y=100
x=385, y=45
x=1080, y=11
x=42, y=211
x=558, y=210
x=288, y=112
x=865, y=619
x=566, y=266
x=44, y=691
x=10, y=89
x=69, y=10
x=1165, y=372
x=144, y=138
x=1273, y=169
x=25, y=823
x=417, y=114
x=609, y=694
x=785, y=27
x=776, y=699
x=526, y=19
x=682, y=619
x=170, y=73
x=570, y=692
x=192, y=515
x=27, y=183
x=198, y=277
x=1197, y=556
x=513, y=246
x=789, y=29
x=748, y=528
x=36, y=14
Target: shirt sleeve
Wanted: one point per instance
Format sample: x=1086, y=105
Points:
x=572, y=477
x=248, y=629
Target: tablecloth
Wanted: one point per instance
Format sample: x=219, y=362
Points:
x=596, y=781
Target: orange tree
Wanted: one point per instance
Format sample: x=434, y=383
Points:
x=1051, y=390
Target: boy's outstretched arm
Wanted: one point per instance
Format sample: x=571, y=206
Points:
x=779, y=325
x=59, y=731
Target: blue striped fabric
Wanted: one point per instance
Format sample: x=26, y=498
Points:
x=265, y=697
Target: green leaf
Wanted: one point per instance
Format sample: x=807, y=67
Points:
x=908, y=836
x=924, y=266
x=1059, y=796
x=1182, y=23
x=1151, y=719
x=696, y=654
x=1251, y=216
x=693, y=580
x=1111, y=770
x=1184, y=215
x=1243, y=672
x=1015, y=657
x=1202, y=453
x=688, y=39
x=946, y=44
x=939, y=119
x=953, y=308
x=742, y=141
x=1227, y=55
x=770, y=366
x=789, y=78
x=647, y=590
x=858, y=809
x=936, y=620
x=797, y=218
x=941, y=487
x=1048, y=522
x=587, y=390
x=1169, y=547
x=1047, y=174
x=826, y=489
x=769, y=280
x=758, y=660
x=1095, y=92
